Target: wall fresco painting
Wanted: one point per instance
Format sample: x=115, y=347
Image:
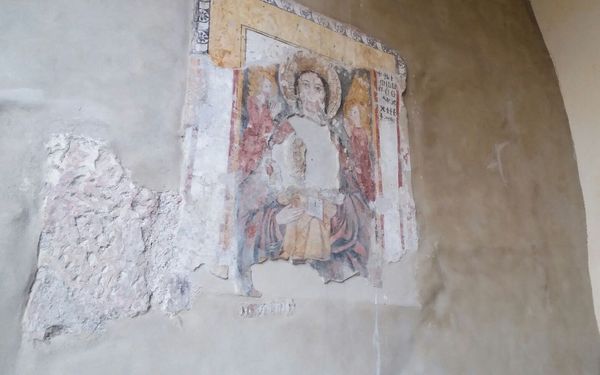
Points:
x=318, y=168
x=305, y=164
x=295, y=152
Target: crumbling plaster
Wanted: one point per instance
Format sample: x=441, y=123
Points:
x=502, y=261
x=67, y=67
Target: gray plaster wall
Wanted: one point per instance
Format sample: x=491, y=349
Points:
x=502, y=273
x=111, y=70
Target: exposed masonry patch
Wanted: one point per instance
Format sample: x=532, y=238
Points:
x=106, y=248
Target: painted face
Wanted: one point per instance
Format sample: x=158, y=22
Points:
x=311, y=93
x=266, y=87
x=353, y=116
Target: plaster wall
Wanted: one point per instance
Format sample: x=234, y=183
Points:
x=572, y=33
x=502, y=264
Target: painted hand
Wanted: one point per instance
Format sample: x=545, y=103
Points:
x=288, y=215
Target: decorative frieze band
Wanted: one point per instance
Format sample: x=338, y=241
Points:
x=202, y=29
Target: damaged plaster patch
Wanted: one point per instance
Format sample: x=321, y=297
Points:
x=106, y=247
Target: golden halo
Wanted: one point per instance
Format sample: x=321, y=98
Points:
x=301, y=62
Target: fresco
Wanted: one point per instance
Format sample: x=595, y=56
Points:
x=304, y=159
x=295, y=154
x=318, y=167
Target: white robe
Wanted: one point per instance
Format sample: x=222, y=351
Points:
x=322, y=162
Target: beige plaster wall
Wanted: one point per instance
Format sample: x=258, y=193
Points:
x=502, y=276
x=571, y=30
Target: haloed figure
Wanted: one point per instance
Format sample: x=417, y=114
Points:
x=262, y=107
x=307, y=168
x=357, y=124
x=312, y=213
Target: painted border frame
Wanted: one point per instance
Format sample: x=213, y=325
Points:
x=200, y=40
